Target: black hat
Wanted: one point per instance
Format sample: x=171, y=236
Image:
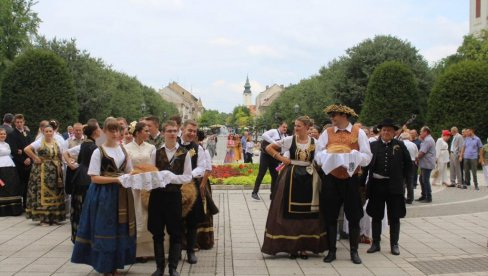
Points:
x=388, y=123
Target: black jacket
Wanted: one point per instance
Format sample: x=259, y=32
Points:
x=17, y=141
x=400, y=166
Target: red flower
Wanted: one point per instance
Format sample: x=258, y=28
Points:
x=241, y=166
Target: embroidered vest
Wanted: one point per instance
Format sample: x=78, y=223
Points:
x=193, y=149
x=345, y=138
x=176, y=165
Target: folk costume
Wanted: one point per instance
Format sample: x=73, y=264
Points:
x=106, y=236
x=196, y=215
x=18, y=140
x=80, y=182
x=389, y=169
x=10, y=190
x=165, y=206
x=293, y=224
x=140, y=155
x=72, y=142
x=337, y=149
x=229, y=155
x=45, y=194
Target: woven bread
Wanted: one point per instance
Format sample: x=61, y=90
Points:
x=338, y=149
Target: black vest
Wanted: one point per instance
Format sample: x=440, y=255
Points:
x=176, y=165
x=194, y=154
x=383, y=158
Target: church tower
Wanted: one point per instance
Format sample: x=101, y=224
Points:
x=247, y=94
x=478, y=16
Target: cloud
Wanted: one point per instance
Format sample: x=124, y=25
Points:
x=264, y=51
x=223, y=42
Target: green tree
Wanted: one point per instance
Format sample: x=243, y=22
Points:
x=349, y=74
x=310, y=96
x=156, y=105
x=391, y=93
x=38, y=84
x=18, y=24
x=240, y=118
x=458, y=96
x=212, y=117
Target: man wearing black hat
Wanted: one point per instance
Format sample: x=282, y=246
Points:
x=390, y=167
x=340, y=183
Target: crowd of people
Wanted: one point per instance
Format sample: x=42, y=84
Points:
x=79, y=172
x=361, y=175
x=324, y=179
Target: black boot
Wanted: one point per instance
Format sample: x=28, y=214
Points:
x=375, y=245
x=394, y=236
x=159, y=258
x=191, y=239
x=331, y=238
x=174, y=254
x=353, y=243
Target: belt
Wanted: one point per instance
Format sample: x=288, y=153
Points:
x=379, y=176
x=300, y=163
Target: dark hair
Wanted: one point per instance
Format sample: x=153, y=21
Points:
x=19, y=117
x=200, y=135
x=90, y=128
x=169, y=123
x=8, y=117
x=176, y=118
x=54, y=124
x=138, y=128
x=153, y=119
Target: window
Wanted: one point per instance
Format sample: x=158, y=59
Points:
x=478, y=9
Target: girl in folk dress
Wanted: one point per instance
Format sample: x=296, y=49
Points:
x=237, y=148
x=10, y=190
x=229, y=156
x=140, y=154
x=293, y=224
x=106, y=236
x=45, y=194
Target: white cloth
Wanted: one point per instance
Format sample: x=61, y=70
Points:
x=147, y=181
x=74, y=151
x=250, y=147
x=208, y=160
x=412, y=149
x=5, y=158
x=349, y=161
x=272, y=135
x=117, y=155
x=442, y=177
x=485, y=174
x=364, y=148
x=442, y=151
x=187, y=172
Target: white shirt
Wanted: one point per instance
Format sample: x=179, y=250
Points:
x=176, y=179
x=5, y=158
x=285, y=144
x=199, y=171
x=250, y=147
x=63, y=145
x=364, y=148
x=36, y=145
x=442, y=151
x=116, y=153
x=208, y=160
x=412, y=149
x=140, y=154
x=273, y=135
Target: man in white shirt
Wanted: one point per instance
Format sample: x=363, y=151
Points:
x=165, y=203
x=338, y=187
x=266, y=161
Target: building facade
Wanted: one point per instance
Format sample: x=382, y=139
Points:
x=266, y=98
x=189, y=107
x=478, y=16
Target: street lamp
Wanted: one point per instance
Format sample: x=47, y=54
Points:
x=143, y=108
x=296, y=108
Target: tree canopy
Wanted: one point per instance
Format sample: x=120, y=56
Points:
x=39, y=85
x=391, y=93
x=458, y=96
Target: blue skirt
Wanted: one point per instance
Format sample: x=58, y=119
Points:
x=101, y=241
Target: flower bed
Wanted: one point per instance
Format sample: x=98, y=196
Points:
x=236, y=174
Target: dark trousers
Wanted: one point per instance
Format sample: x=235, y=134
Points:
x=165, y=211
x=470, y=167
x=266, y=163
x=24, y=173
x=425, y=183
x=248, y=157
x=411, y=182
x=337, y=192
x=415, y=175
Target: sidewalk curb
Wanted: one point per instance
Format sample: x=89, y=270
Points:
x=239, y=187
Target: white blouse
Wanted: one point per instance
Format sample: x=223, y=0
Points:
x=442, y=151
x=5, y=159
x=285, y=144
x=116, y=153
x=140, y=154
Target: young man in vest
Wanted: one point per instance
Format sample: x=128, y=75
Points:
x=165, y=203
x=196, y=215
x=340, y=185
x=266, y=162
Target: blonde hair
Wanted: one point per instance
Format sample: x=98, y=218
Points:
x=111, y=124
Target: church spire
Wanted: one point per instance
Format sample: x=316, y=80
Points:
x=247, y=86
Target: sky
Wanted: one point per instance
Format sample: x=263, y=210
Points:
x=209, y=47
